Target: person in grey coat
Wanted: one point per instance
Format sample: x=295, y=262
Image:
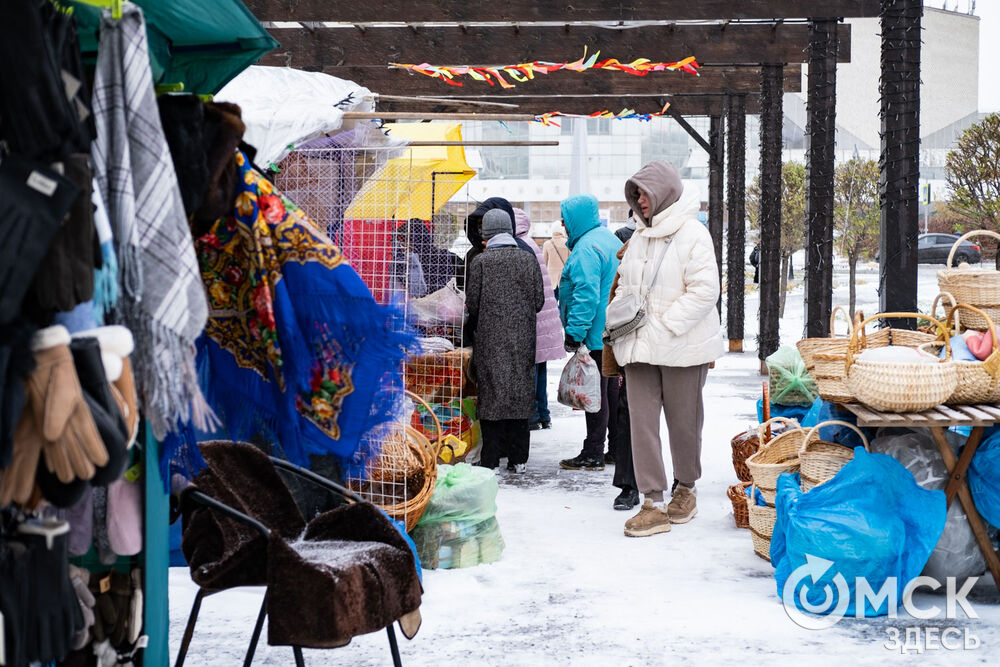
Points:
x=503, y=296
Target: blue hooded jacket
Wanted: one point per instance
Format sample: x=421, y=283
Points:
x=586, y=279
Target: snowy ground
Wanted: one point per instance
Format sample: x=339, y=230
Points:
x=571, y=589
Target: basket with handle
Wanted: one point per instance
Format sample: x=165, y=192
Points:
x=738, y=497
x=762, y=520
x=746, y=444
x=900, y=386
x=828, y=356
x=402, y=479
x=808, y=347
x=819, y=461
x=779, y=455
x=975, y=287
x=978, y=381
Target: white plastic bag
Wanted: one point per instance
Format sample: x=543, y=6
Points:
x=445, y=306
x=580, y=383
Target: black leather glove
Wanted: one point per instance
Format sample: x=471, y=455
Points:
x=107, y=415
x=571, y=345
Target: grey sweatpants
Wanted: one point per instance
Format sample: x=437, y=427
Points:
x=677, y=392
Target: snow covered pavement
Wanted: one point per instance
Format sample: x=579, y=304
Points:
x=572, y=589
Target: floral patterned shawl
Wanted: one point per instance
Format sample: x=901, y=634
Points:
x=295, y=345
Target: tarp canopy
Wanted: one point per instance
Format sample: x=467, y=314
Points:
x=200, y=44
x=419, y=182
x=285, y=108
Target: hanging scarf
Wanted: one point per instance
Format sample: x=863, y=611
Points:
x=163, y=304
x=295, y=345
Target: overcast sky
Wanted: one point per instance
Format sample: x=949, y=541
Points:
x=989, y=51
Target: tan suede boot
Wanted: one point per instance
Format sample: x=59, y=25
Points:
x=682, y=507
x=649, y=521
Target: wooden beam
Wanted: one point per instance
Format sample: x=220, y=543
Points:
x=693, y=133
x=430, y=115
x=686, y=105
x=716, y=195
x=713, y=80
x=500, y=45
x=769, y=214
x=466, y=11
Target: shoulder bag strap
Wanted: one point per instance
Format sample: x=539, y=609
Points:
x=656, y=271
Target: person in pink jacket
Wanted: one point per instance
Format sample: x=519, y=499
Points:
x=549, y=331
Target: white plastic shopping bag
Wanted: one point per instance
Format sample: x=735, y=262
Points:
x=580, y=383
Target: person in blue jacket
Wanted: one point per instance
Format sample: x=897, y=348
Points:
x=583, y=296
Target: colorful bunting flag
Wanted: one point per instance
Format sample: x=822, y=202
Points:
x=527, y=71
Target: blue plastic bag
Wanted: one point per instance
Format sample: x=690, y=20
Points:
x=796, y=412
x=822, y=411
x=871, y=520
x=984, y=478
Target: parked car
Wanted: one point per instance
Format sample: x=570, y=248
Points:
x=934, y=249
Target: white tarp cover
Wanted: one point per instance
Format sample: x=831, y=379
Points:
x=284, y=108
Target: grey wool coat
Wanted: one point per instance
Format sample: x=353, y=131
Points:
x=503, y=295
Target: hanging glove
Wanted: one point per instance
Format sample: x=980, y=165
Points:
x=116, y=343
x=18, y=479
x=81, y=579
x=16, y=363
x=103, y=409
x=135, y=610
x=72, y=445
x=571, y=345
x=53, y=615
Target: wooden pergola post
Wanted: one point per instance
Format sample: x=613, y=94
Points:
x=736, y=121
x=770, y=210
x=899, y=88
x=821, y=122
x=716, y=194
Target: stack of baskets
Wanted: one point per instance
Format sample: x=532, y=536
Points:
x=974, y=287
x=824, y=359
x=778, y=456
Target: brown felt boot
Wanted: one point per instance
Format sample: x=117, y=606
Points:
x=682, y=507
x=649, y=521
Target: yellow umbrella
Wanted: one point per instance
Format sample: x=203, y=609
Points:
x=419, y=182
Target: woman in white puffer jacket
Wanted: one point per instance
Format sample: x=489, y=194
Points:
x=666, y=359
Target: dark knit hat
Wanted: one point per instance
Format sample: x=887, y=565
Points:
x=497, y=221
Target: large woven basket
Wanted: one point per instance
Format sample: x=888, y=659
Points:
x=819, y=461
x=762, y=520
x=777, y=456
x=975, y=287
x=402, y=479
x=808, y=347
x=896, y=386
x=978, y=381
x=826, y=358
x=738, y=497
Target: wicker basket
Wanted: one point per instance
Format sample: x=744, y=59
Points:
x=777, y=456
x=978, y=381
x=738, y=497
x=900, y=387
x=825, y=358
x=819, y=461
x=975, y=287
x=402, y=480
x=762, y=520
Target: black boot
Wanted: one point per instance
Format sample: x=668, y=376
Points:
x=627, y=499
x=582, y=462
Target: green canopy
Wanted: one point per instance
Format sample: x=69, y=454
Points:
x=200, y=44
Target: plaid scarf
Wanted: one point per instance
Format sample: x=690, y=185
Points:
x=164, y=301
